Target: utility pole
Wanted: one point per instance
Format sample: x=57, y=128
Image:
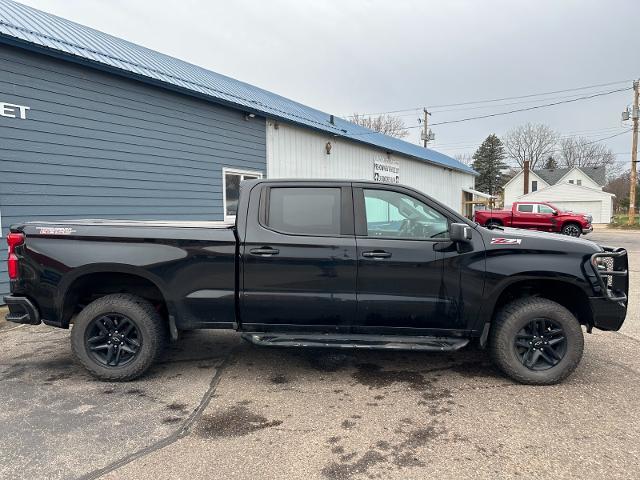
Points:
x=634, y=154
x=426, y=134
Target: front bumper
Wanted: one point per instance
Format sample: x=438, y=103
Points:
x=21, y=310
x=607, y=314
x=612, y=283
x=589, y=229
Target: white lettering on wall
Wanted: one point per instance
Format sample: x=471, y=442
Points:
x=13, y=111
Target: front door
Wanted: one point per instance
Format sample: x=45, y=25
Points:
x=546, y=218
x=399, y=237
x=299, y=258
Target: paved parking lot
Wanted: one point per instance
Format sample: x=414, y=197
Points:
x=219, y=408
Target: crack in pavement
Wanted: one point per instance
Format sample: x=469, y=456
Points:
x=182, y=432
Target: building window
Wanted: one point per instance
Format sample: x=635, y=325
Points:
x=571, y=182
x=579, y=182
x=534, y=185
x=231, y=187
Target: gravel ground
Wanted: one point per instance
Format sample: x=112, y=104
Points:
x=219, y=408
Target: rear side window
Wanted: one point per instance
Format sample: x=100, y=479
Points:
x=525, y=208
x=304, y=211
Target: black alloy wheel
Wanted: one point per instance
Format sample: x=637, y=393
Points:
x=541, y=344
x=572, y=230
x=113, y=340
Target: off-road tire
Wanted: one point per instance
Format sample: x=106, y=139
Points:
x=493, y=224
x=512, y=318
x=153, y=330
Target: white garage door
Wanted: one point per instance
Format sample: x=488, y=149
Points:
x=590, y=208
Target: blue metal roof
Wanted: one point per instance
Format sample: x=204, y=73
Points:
x=25, y=26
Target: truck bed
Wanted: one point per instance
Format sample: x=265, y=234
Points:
x=187, y=260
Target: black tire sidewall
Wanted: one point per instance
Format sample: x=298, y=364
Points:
x=515, y=318
x=146, y=320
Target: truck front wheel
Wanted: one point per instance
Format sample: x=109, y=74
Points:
x=572, y=229
x=118, y=337
x=536, y=341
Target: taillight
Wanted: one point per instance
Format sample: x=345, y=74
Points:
x=13, y=240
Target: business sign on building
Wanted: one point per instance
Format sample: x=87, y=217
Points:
x=13, y=111
x=386, y=170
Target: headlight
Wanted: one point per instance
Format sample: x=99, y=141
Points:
x=588, y=218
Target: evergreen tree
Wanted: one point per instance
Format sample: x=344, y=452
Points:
x=550, y=162
x=488, y=161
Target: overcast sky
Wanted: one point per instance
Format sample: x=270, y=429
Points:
x=373, y=56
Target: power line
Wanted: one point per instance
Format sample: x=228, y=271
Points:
x=509, y=112
x=535, y=107
x=496, y=99
x=571, y=133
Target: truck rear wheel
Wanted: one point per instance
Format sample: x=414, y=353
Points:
x=536, y=341
x=118, y=337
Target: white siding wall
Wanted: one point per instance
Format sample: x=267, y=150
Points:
x=576, y=175
x=294, y=152
x=515, y=187
x=578, y=199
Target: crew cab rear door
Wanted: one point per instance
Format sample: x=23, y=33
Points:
x=524, y=215
x=299, y=257
x=400, y=268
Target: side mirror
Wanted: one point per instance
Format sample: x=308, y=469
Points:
x=460, y=232
x=555, y=213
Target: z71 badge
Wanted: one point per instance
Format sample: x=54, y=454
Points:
x=506, y=241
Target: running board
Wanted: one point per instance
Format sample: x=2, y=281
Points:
x=373, y=342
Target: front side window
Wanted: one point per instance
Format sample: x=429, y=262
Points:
x=396, y=215
x=304, y=211
x=231, y=182
x=525, y=208
x=545, y=209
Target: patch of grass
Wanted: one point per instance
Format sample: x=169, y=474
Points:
x=622, y=221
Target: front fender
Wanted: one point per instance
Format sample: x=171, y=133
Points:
x=506, y=268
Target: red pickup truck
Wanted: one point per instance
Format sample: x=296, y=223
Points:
x=536, y=216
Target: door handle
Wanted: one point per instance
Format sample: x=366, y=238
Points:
x=264, y=251
x=376, y=254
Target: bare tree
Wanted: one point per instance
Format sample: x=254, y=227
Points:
x=530, y=142
x=387, y=124
x=581, y=152
x=619, y=185
x=465, y=158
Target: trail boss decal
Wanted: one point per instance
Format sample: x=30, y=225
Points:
x=506, y=241
x=55, y=230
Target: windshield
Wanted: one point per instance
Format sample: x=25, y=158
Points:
x=550, y=205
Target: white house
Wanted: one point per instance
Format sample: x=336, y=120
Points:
x=578, y=189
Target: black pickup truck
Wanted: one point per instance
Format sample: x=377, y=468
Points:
x=318, y=264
